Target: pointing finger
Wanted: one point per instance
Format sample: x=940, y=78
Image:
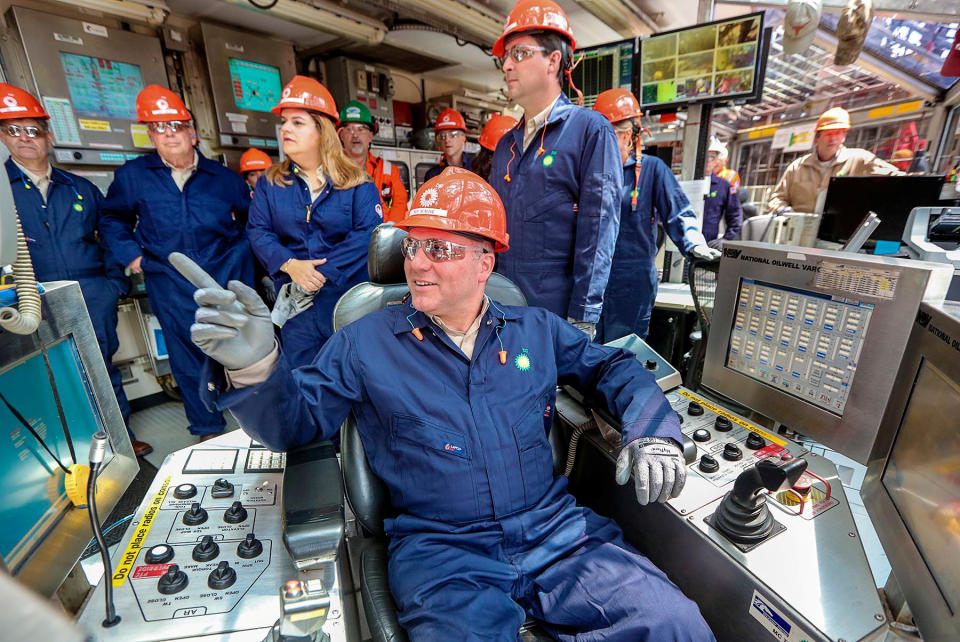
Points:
x=191, y=271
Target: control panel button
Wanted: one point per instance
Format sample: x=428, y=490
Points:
x=292, y=589
x=221, y=577
x=206, y=550
x=185, y=491
x=195, y=515
x=701, y=434
x=708, y=464
x=732, y=452
x=235, y=514
x=722, y=424
x=694, y=409
x=159, y=554
x=173, y=581
x=221, y=489
x=755, y=441
x=250, y=547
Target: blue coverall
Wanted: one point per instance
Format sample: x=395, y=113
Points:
x=721, y=202
x=63, y=237
x=437, y=169
x=562, y=210
x=284, y=224
x=632, y=287
x=145, y=214
x=485, y=532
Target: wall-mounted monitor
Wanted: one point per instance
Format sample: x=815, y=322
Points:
x=255, y=86
x=100, y=87
x=713, y=62
x=603, y=67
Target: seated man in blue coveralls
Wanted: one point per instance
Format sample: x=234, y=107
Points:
x=60, y=215
x=721, y=201
x=454, y=395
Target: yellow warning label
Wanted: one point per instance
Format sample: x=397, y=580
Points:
x=735, y=419
x=139, y=135
x=789, y=499
x=139, y=536
x=94, y=125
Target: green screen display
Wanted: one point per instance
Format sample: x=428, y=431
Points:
x=255, y=86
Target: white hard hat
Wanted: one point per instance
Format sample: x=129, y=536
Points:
x=800, y=25
x=716, y=145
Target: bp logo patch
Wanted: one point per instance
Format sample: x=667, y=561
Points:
x=522, y=361
x=548, y=159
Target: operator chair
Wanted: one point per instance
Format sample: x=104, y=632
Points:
x=366, y=493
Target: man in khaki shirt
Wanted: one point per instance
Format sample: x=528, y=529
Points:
x=804, y=183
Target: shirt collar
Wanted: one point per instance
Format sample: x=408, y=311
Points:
x=473, y=326
x=409, y=317
x=189, y=168
x=35, y=178
x=534, y=124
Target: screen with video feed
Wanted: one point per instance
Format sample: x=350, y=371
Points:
x=715, y=61
x=102, y=88
x=255, y=86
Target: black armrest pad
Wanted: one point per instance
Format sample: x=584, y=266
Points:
x=312, y=502
x=378, y=603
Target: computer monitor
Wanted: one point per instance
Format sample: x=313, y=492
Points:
x=603, y=67
x=57, y=382
x=850, y=198
x=812, y=338
x=912, y=487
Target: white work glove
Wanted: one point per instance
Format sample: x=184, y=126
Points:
x=659, y=472
x=705, y=252
x=589, y=329
x=232, y=326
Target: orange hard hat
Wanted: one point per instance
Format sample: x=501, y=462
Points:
x=833, y=118
x=534, y=15
x=494, y=130
x=307, y=93
x=254, y=159
x=449, y=119
x=459, y=201
x=617, y=105
x=16, y=103
x=157, y=104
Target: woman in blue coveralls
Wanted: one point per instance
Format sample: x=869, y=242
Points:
x=311, y=219
x=176, y=199
x=650, y=195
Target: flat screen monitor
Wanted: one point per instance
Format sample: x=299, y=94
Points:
x=101, y=88
x=33, y=482
x=255, y=86
x=850, y=198
x=713, y=62
x=603, y=67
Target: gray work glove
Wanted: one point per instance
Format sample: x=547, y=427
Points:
x=705, y=252
x=659, y=472
x=589, y=329
x=232, y=326
x=783, y=209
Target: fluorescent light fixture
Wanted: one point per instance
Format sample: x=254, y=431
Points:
x=325, y=16
x=623, y=16
x=153, y=12
x=472, y=17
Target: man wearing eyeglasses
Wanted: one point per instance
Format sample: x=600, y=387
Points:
x=454, y=396
x=558, y=172
x=451, y=133
x=60, y=215
x=357, y=129
x=175, y=199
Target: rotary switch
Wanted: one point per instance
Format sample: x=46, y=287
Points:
x=173, y=581
x=694, y=409
x=206, y=550
x=755, y=441
x=722, y=424
x=235, y=514
x=250, y=547
x=221, y=489
x=708, y=464
x=221, y=577
x=732, y=452
x=195, y=515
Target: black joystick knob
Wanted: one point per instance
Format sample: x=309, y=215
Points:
x=651, y=364
x=206, y=550
x=732, y=452
x=159, y=554
x=235, y=514
x=173, y=581
x=743, y=515
x=708, y=464
x=185, y=491
x=221, y=577
x=722, y=424
x=221, y=488
x=694, y=409
x=755, y=441
x=195, y=515
x=250, y=547
x=701, y=434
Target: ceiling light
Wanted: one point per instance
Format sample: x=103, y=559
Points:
x=152, y=12
x=325, y=16
x=472, y=18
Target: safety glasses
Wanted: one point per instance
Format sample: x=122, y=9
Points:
x=172, y=125
x=456, y=133
x=519, y=53
x=436, y=250
x=30, y=130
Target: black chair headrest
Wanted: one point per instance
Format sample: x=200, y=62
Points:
x=749, y=210
x=385, y=259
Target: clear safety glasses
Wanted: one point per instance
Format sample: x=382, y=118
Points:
x=456, y=133
x=519, y=53
x=436, y=250
x=30, y=130
x=172, y=125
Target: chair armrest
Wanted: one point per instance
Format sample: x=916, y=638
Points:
x=378, y=604
x=312, y=505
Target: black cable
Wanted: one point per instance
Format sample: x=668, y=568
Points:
x=33, y=432
x=56, y=399
x=264, y=7
x=98, y=447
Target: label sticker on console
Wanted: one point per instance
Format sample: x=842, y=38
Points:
x=778, y=624
x=140, y=532
x=735, y=419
